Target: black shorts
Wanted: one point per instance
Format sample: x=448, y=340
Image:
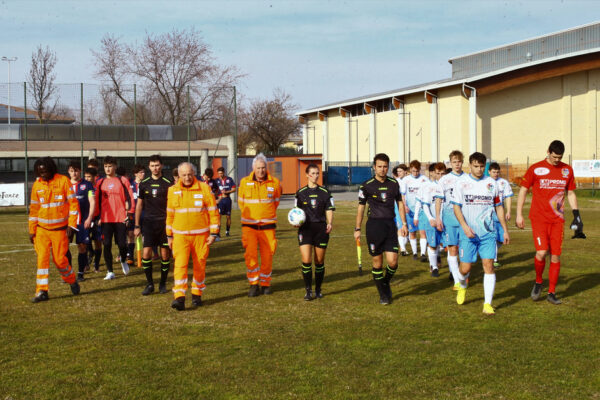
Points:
x=382, y=235
x=154, y=233
x=225, y=206
x=96, y=230
x=313, y=233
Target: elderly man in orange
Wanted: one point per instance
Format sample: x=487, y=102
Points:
x=53, y=217
x=192, y=225
x=258, y=198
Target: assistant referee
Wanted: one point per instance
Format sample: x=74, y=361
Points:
x=381, y=193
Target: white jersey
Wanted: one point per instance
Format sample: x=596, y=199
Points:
x=477, y=199
x=447, y=183
x=504, y=191
x=410, y=188
x=428, y=192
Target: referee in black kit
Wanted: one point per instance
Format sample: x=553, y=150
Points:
x=380, y=192
x=313, y=235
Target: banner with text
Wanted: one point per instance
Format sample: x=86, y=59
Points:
x=586, y=168
x=12, y=194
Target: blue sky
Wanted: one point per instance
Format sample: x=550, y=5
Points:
x=319, y=52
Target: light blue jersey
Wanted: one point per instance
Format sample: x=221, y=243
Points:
x=477, y=199
x=409, y=187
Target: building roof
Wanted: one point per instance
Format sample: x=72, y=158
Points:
x=592, y=45
x=17, y=115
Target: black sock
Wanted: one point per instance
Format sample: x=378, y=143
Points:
x=228, y=226
x=378, y=278
x=98, y=255
x=147, y=266
x=108, y=257
x=164, y=271
x=130, y=250
x=389, y=272
x=82, y=259
x=69, y=257
x=319, y=275
x=307, y=275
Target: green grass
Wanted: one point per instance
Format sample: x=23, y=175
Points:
x=110, y=342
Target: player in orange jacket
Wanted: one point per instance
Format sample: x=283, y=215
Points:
x=53, y=216
x=258, y=198
x=192, y=226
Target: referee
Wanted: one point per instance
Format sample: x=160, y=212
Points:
x=317, y=204
x=152, y=200
x=381, y=193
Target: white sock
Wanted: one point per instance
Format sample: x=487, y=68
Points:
x=453, y=267
x=432, y=257
x=402, y=242
x=462, y=279
x=413, y=245
x=489, y=283
x=423, y=243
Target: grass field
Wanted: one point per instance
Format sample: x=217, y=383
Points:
x=110, y=342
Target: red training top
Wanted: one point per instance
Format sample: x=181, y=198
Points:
x=549, y=184
x=112, y=204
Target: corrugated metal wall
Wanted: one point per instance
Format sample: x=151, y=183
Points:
x=574, y=40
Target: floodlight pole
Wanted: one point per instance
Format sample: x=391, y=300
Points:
x=9, y=60
x=81, y=128
x=188, y=124
x=134, y=124
x=26, y=159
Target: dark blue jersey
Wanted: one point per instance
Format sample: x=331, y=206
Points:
x=83, y=190
x=225, y=184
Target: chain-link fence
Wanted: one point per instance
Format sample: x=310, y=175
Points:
x=130, y=122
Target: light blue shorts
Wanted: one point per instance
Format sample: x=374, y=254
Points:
x=468, y=248
x=451, y=235
x=499, y=232
x=410, y=217
x=434, y=237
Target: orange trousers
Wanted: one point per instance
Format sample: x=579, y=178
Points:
x=54, y=242
x=267, y=244
x=183, y=247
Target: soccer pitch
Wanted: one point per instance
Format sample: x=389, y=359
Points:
x=111, y=342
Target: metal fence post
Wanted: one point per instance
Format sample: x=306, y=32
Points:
x=81, y=127
x=188, y=123
x=26, y=158
x=235, y=137
x=134, y=124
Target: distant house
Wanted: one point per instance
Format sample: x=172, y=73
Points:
x=17, y=116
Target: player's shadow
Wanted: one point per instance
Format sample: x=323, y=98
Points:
x=297, y=284
x=217, y=300
x=580, y=283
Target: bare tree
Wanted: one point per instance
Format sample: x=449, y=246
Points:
x=270, y=123
x=41, y=81
x=167, y=66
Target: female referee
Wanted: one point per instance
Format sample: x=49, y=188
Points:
x=317, y=204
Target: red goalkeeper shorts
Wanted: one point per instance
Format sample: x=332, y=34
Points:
x=548, y=236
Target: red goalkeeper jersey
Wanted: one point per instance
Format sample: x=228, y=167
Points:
x=549, y=183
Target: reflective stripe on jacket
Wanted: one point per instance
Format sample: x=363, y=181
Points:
x=53, y=204
x=191, y=210
x=258, y=201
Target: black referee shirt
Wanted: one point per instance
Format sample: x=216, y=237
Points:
x=314, y=202
x=154, y=194
x=380, y=196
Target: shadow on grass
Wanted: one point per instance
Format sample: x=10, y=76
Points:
x=580, y=283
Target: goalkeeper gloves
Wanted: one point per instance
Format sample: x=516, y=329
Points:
x=577, y=226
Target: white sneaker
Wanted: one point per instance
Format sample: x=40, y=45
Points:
x=109, y=276
x=125, y=268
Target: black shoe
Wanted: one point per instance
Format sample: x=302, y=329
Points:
x=196, y=300
x=450, y=277
x=75, y=289
x=308, y=296
x=387, y=291
x=266, y=290
x=536, y=291
x=162, y=288
x=254, y=291
x=552, y=299
x=435, y=273
x=382, y=290
x=227, y=233
x=384, y=300
x=424, y=258
x=404, y=254
x=318, y=294
x=178, y=304
x=80, y=277
x=148, y=289
x=415, y=256
x=42, y=295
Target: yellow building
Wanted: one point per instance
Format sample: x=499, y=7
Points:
x=508, y=102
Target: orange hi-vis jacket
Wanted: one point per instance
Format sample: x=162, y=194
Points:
x=258, y=201
x=53, y=204
x=191, y=210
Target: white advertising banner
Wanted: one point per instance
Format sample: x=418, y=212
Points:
x=586, y=168
x=12, y=194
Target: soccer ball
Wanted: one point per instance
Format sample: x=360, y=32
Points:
x=296, y=216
